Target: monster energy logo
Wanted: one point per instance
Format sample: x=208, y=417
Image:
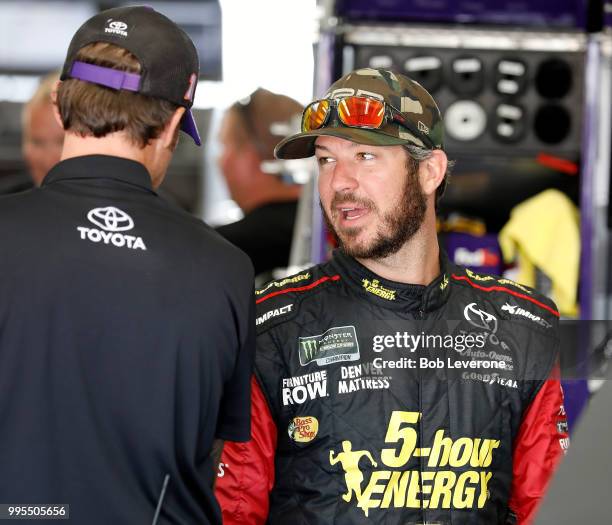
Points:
x=336, y=344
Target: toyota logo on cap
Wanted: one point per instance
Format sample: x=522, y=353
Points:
x=119, y=26
x=111, y=219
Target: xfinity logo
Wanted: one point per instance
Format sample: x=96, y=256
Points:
x=479, y=318
x=116, y=27
x=515, y=310
x=111, y=220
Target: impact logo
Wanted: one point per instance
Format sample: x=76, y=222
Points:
x=111, y=222
x=336, y=344
x=457, y=476
x=479, y=318
x=116, y=27
x=303, y=429
x=515, y=310
x=273, y=313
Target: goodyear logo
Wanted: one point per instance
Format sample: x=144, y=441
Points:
x=455, y=473
x=283, y=282
x=336, y=344
x=303, y=429
x=374, y=287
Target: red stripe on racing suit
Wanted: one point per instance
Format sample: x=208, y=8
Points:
x=541, y=442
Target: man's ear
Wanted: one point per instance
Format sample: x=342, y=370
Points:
x=432, y=171
x=56, y=113
x=169, y=132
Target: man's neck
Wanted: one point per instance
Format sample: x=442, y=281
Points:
x=417, y=262
x=114, y=144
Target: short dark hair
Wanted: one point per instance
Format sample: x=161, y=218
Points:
x=92, y=110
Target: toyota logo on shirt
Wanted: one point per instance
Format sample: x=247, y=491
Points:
x=111, y=219
x=111, y=222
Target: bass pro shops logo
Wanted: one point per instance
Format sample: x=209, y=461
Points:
x=303, y=429
x=111, y=221
x=336, y=344
x=449, y=474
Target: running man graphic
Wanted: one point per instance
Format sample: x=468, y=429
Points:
x=349, y=459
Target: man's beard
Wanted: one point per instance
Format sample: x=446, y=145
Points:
x=395, y=228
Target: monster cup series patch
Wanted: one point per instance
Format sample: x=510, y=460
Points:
x=336, y=344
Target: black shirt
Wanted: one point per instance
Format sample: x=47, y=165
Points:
x=264, y=234
x=15, y=183
x=126, y=341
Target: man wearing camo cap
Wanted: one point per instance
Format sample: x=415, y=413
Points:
x=349, y=422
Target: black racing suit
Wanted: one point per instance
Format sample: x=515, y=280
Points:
x=356, y=418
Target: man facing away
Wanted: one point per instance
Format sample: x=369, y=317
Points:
x=249, y=131
x=359, y=412
x=126, y=325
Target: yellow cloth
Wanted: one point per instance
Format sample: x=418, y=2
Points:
x=544, y=232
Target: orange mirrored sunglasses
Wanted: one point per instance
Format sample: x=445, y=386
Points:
x=355, y=112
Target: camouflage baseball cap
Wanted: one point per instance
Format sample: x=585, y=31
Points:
x=405, y=95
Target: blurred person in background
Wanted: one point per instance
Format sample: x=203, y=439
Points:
x=126, y=324
x=43, y=137
x=42, y=140
x=249, y=131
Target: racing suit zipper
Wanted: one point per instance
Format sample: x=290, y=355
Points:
x=421, y=316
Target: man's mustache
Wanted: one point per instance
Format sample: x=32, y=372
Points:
x=360, y=202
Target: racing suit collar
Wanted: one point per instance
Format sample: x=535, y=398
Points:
x=390, y=294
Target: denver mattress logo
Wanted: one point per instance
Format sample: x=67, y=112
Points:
x=111, y=222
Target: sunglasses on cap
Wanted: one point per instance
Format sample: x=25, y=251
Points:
x=357, y=112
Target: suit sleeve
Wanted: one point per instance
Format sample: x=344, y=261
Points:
x=541, y=442
x=246, y=472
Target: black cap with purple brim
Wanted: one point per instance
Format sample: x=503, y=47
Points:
x=168, y=59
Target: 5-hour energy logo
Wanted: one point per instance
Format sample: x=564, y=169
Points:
x=439, y=486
